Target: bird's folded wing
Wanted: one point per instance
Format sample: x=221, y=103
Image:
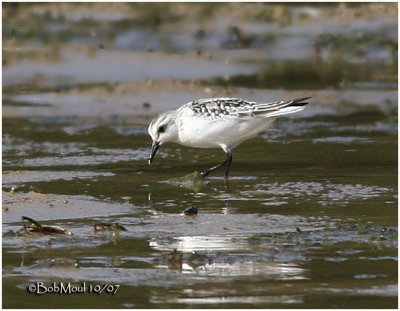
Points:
x=218, y=108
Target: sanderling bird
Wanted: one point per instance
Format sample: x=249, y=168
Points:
x=217, y=123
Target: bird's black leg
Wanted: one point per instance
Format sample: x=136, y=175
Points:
x=228, y=160
x=206, y=172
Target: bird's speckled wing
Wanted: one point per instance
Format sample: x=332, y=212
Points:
x=236, y=108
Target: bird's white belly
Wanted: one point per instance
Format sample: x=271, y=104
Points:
x=231, y=132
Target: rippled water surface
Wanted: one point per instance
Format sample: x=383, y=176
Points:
x=308, y=218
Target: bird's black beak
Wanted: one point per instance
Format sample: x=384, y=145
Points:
x=154, y=148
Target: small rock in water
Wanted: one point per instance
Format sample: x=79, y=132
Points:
x=190, y=211
x=146, y=105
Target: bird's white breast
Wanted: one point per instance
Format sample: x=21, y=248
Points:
x=199, y=132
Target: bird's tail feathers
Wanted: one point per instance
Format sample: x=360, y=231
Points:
x=283, y=111
x=281, y=108
x=299, y=101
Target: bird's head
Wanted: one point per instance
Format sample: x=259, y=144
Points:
x=162, y=129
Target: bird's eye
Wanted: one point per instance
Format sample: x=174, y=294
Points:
x=162, y=128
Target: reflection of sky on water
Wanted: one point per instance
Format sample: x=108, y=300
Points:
x=270, y=270
x=201, y=255
x=188, y=244
x=212, y=298
x=326, y=193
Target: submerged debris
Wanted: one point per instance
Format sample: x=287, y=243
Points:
x=32, y=226
x=55, y=263
x=106, y=226
x=194, y=181
x=190, y=211
x=194, y=177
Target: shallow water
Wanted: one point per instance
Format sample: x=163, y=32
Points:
x=304, y=219
x=308, y=218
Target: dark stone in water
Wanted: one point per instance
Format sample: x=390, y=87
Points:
x=190, y=211
x=146, y=105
